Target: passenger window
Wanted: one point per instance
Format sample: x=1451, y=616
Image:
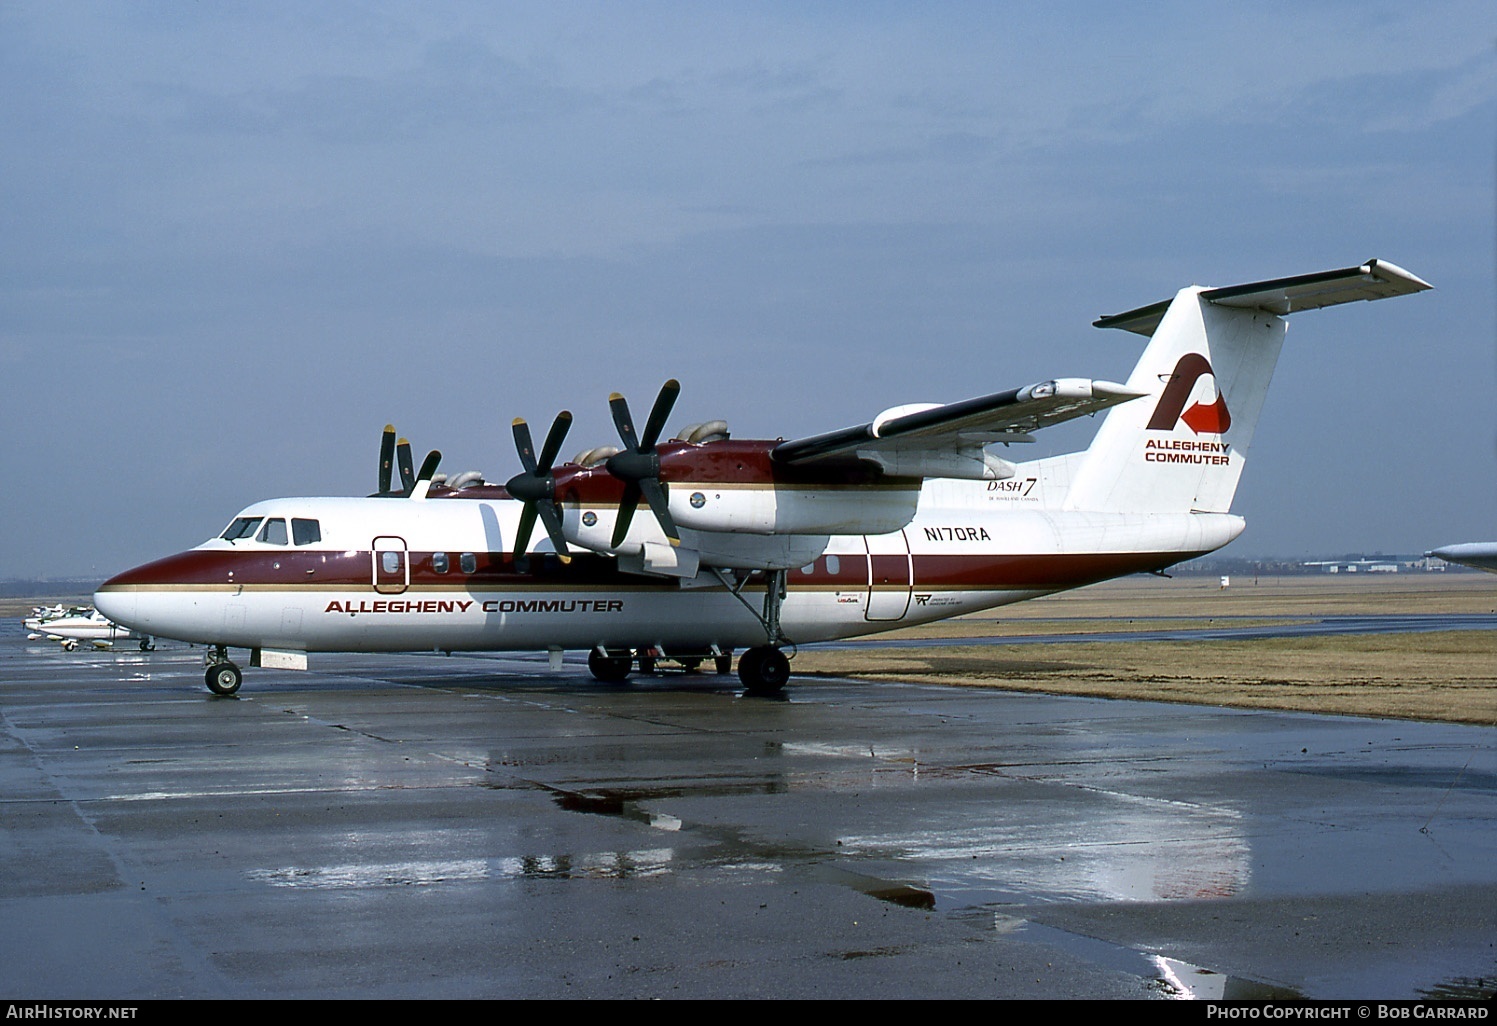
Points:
x=274, y=532
x=305, y=532
x=468, y=562
x=389, y=561
x=833, y=565
x=439, y=562
x=242, y=527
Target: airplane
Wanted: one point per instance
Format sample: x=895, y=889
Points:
x=80, y=623
x=1481, y=555
x=757, y=545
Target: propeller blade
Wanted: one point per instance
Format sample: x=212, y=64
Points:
x=386, y=458
x=422, y=484
x=554, y=439
x=626, y=512
x=552, y=521
x=655, y=494
x=524, y=444
x=659, y=413
x=621, y=420
x=522, y=534
x=403, y=459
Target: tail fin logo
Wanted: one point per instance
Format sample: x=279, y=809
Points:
x=1213, y=419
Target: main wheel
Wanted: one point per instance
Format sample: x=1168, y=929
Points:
x=610, y=668
x=764, y=670
x=223, y=678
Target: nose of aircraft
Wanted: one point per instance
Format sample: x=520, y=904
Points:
x=119, y=606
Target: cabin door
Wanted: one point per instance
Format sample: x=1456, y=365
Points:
x=890, y=577
x=392, y=565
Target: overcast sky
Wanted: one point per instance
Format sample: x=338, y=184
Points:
x=237, y=239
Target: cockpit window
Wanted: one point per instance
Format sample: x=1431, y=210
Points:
x=305, y=532
x=274, y=532
x=242, y=527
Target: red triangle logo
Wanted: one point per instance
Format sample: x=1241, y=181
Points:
x=1208, y=420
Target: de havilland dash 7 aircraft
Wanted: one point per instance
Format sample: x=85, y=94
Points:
x=756, y=546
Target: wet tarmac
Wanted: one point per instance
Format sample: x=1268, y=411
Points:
x=460, y=827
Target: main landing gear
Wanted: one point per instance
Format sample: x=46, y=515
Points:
x=764, y=669
x=614, y=664
x=221, y=676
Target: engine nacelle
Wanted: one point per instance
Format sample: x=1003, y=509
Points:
x=764, y=509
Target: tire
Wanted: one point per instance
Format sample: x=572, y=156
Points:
x=764, y=670
x=610, y=668
x=223, y=678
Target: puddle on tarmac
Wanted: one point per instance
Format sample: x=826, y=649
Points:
x=613, y=865
x=1170, y=976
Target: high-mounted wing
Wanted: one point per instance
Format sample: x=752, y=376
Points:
x=929, y=440
x=1376, y=279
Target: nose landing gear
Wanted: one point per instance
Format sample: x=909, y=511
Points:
x=221, y=676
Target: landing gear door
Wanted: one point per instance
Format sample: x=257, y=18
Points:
x=392, y=565
x=890, y=577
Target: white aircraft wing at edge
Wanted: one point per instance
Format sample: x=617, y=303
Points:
x=933, y=440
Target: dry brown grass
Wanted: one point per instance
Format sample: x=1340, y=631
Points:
x=1448, y=676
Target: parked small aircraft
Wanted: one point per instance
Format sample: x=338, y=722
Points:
x=70, y=625
x=757, y=545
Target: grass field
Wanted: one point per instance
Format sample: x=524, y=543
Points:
x=1437, y=676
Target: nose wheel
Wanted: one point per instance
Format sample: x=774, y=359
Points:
x=222, y=676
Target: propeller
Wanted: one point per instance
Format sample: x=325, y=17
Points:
x=535, y=485
x=387, y=459
x=397, y=455
x=638, y=465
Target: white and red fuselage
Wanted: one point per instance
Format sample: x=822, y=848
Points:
x=399, y=574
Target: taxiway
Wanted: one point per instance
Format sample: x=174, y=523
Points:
x=467, y=827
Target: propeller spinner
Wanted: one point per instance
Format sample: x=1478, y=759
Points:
x=535, y=485
x=638, y=466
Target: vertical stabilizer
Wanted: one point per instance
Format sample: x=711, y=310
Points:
x=1183, y=447
x=1205, y=373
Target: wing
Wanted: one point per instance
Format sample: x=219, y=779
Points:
x=930, y=440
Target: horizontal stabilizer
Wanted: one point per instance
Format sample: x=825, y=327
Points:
x=1376, y=279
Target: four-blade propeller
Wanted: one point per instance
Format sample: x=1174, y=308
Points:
x=638, y=466
x=393, y=454
x=535, y=485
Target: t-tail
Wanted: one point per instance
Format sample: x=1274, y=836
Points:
x=1204, y=374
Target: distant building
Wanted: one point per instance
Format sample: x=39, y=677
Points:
x=1353, y=566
